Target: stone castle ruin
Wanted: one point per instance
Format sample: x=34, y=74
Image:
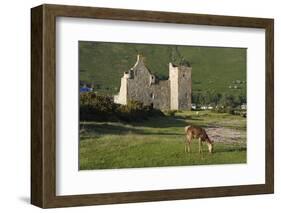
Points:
x=139, y=84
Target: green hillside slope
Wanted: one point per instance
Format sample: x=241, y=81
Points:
x=214, y=69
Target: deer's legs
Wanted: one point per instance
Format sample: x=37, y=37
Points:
x=200, y=145
x=187, y=143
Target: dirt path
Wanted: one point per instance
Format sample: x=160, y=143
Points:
x=226, y=135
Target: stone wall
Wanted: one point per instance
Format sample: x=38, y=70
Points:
x=140, y=85
x=184, y=89
x=122, y=97
x=180, y=87
x=174, y=85
x=161, y=95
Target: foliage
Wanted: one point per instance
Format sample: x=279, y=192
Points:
x=102, y=108
x=171, y=112
x=96, y=107
x=218, y=99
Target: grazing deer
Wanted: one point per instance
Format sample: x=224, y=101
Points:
x=200, y=134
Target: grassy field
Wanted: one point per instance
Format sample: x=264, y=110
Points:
x=160, y=142
x=104, y=63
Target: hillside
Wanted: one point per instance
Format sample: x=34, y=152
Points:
x=213, y=69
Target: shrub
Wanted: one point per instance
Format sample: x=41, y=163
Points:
x=219, y=110
x=102, y=108
x=136, y=111
x=96, y=107
x=171, y=112
x=230, y=111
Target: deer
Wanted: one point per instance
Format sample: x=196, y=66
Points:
x=195, y=132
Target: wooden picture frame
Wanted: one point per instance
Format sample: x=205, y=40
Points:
x=43, y=105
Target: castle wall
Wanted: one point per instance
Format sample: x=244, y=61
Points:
x=145, y=88
x=122, y=97
x=157, y=94
x=140, y=85
x=180, y=87
x=161, y=92
x=173, y=77
x=184, y=89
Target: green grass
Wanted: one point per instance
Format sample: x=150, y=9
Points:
x=104, y=64
x=158, y=142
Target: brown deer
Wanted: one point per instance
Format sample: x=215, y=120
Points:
x=200, y=134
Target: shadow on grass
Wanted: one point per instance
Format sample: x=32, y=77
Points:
x=187, y=117
x=162, y=122
x=170, y=121
x=97, y=129
x=115, y=129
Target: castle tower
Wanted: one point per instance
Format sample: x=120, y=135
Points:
x=180, y=87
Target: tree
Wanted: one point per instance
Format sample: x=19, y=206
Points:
x=228, y=100
x=175, y=55
x=216, y=97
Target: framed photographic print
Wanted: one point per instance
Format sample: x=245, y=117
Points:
x=137, y=106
